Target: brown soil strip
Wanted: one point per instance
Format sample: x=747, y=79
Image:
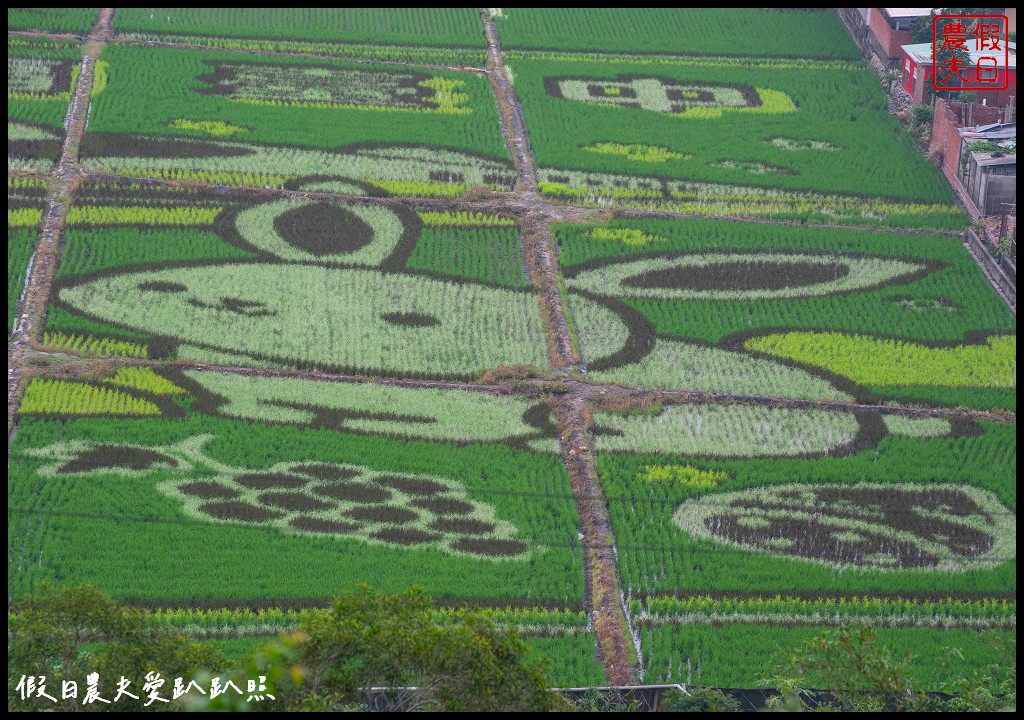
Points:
x=512, y=124
x=603, y=590
x=540, y=260
x=44, y=34
x=30, y=316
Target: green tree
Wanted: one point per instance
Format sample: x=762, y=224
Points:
x=68, y=634
x=864, y=675
x=370, y=640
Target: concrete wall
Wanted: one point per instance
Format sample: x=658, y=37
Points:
x=991, y=185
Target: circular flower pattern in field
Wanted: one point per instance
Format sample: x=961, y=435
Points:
x=890, y=527
x=308, y=498
x=720, y=276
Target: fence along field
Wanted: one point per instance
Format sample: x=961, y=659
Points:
x=731, y=137
x=805, y=313
x=259, y=119
x=199, y=276
x=682, y=31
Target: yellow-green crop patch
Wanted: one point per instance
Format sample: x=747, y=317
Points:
x=885, y=361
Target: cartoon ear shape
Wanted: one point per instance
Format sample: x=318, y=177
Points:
x=303, y=231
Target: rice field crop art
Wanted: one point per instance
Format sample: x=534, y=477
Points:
x=734, y=640
x=727, y=135
x=742, y=654
x=26, y=198
x=245, y=119
x=310, y=487
x=363, y=288
x=771, y=32
x=40, y=77
x=900, y=510
x=447, y=27
x=754, y=309
x=66, y=20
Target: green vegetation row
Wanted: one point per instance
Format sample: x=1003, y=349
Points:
x=488, y=256
x=283, y=619
x=449, y=56
x=666, y=608
x=89, y=250
x=64, y=20
x=743, y=655
x=396, y=26
x=20, y=244
x=707, y=31
x=44, y=396
x=892, y=362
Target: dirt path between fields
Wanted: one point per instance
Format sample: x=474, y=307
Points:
x=603, y=588
x=65, y=178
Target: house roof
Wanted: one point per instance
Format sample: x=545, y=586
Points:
x=922, y=53
x=906, y=12
x=986, y=159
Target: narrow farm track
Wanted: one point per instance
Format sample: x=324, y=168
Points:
x=540, y=259
x=604, y=592
x=65, y=178
x=604, y=596
x=512, y=122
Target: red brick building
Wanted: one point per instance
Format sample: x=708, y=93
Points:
x=891, y=28
x=917, y=75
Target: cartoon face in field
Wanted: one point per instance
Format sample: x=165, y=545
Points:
x=300, y=84
x=329, y=289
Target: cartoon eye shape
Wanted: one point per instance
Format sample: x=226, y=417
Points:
x=735, y=276
x=305, y=231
